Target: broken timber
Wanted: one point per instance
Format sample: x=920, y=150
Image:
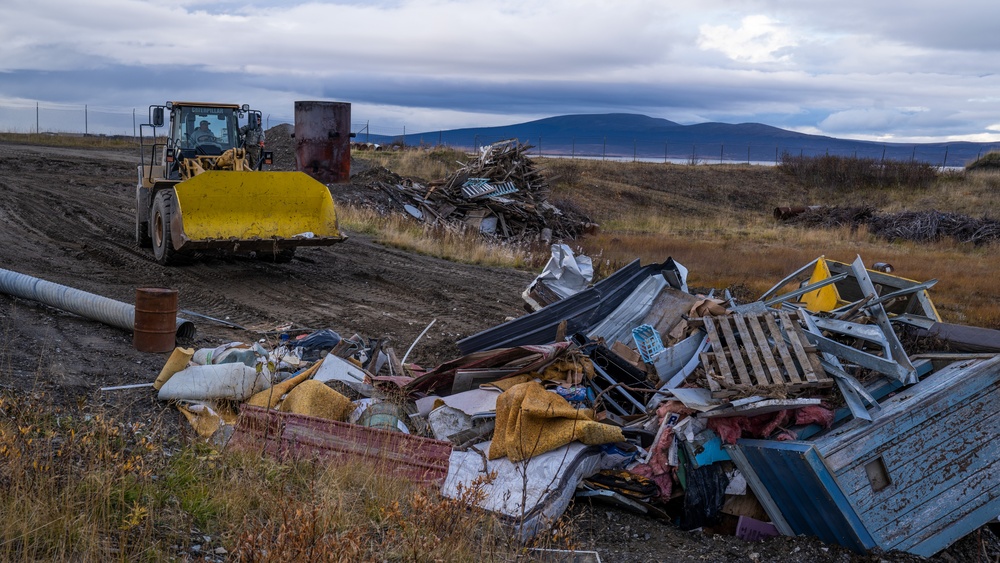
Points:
x=750, y=351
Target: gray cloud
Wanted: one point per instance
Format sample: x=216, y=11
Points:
x=854, y=69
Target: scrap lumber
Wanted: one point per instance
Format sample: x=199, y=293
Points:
x=500, y=194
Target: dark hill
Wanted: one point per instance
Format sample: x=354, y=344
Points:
x=625, y=135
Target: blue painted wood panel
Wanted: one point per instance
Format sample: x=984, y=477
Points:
x=804, y=490
x=938, y=443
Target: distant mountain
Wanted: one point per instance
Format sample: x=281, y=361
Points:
x=626, y=135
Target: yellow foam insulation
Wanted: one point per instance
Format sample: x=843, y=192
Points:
x=177, y=361
x=531, y=421
x=314, y=398
x=574, y=370
x=269, y=398
x=505, y=384
x=205, y=418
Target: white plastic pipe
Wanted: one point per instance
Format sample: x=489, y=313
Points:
x=89, y=305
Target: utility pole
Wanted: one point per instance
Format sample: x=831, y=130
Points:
x=85, y=124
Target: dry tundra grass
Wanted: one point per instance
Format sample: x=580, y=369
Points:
x=717, y=220
x=79, y=485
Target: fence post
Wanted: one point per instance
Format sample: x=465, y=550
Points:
x=605, y=154
x=748, y=155
x=37, y=130
x=945, y=161
x=573, y=154
x=722, y=151
x=635, y=149
x=664, y=152
x=85, y=119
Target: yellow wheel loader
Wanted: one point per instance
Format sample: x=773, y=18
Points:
x=198, y=190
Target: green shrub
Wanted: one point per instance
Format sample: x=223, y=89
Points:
x=853, y=173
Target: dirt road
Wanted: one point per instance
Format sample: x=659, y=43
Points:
x=67, y=217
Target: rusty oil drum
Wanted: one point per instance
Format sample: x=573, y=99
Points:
x=155, y=319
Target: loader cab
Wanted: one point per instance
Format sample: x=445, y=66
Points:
x=203, y=130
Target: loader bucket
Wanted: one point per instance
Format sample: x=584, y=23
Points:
x=251, y=210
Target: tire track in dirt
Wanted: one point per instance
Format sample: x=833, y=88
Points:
x=74, y=225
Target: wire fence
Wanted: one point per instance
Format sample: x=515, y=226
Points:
x=36, y=117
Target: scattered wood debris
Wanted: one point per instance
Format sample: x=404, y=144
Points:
x=501, y=194
x=917, y=226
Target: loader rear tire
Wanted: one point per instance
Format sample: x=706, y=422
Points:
x=163, y=246
x=142, y=237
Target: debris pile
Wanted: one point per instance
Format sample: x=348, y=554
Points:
x=920, y=226
x=500, y=193
x=837, y=405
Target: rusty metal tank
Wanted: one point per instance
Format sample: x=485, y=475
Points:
x=323, y=140
x=155, y=319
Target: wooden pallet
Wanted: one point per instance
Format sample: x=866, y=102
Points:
x=751, y=351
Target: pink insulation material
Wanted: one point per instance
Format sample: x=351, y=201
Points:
x=732, y=428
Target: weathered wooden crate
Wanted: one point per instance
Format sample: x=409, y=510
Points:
x=923, y=474
x=751, y=351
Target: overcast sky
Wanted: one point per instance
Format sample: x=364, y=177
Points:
x=887, y=70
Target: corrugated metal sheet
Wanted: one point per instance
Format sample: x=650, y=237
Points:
x=580, y=311
x=617, y=326
x=294, y=435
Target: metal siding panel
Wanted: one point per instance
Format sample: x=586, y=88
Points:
x=580, y=309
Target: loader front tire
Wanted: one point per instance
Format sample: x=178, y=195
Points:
x=163, y=246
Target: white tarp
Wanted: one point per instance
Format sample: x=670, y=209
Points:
x=534, y=493
x=566, y=274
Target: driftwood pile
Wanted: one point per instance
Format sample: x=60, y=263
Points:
x=917, y=226
x=499, y=194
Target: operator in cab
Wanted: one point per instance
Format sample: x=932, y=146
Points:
x=203, y=134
